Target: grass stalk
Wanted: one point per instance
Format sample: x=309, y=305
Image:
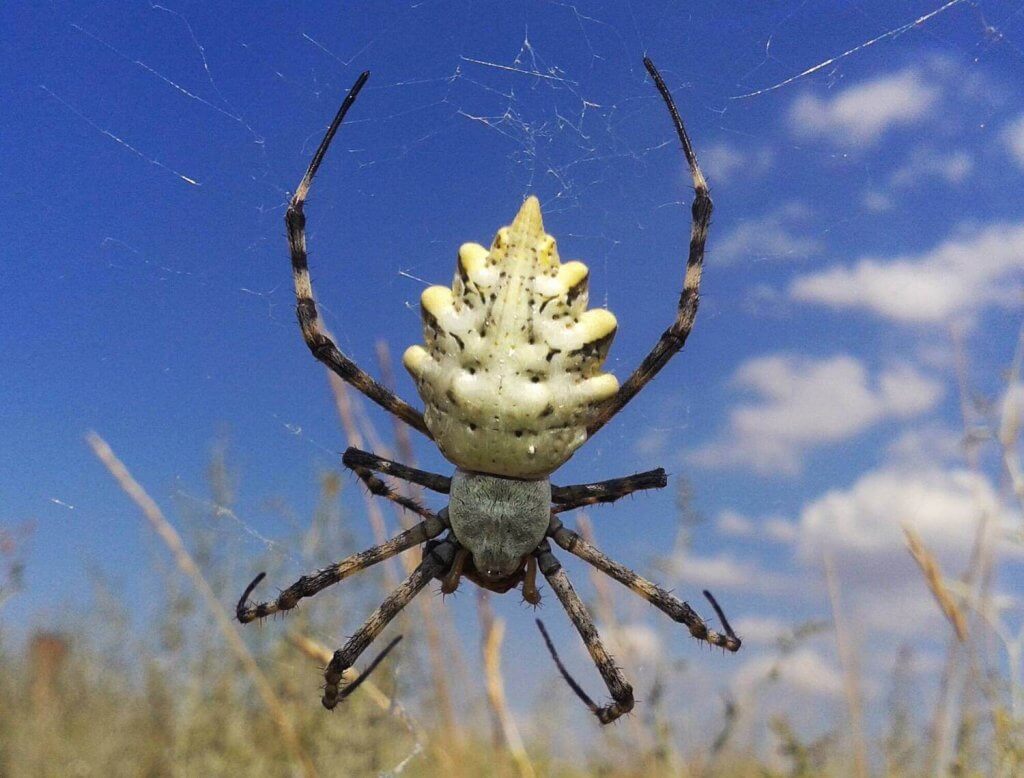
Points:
x=166, y=532
x=851, y=672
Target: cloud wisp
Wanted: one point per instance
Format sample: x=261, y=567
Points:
x=775, y=235
x=961, y=275
x=803, y=402
x=1013, y=137
x=861, y=114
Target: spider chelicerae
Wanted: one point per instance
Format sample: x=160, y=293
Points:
x=511, y=379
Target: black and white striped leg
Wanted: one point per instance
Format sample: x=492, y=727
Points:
x=381, y=489
x=354, y=457
x=437, y=557
x=672, y=606
x=673, y=339
x=316, y=337
x=619, y=689
x=309, y=585
x=567, y=498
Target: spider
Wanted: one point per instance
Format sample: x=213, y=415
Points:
x=511, y=380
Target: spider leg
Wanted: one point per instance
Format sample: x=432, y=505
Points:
x=381, y=489
x=569, y=497
x=355, y=458
x=309, y=585
x=313, y=331
x=672, y=606
x=436, y=558
x=618, y=687
x=674, y=337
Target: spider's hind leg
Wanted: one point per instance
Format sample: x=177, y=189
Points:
x=618, y=687
x=309, y=585
x=436, y=557
x=672, y=606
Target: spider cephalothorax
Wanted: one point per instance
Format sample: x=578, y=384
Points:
x=510, y=374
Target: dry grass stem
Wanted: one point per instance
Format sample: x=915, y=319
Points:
x=493, y=635
x=851, y=672
x=322, y=655
x=343, y=402
x=183, y=559
x=933, y=577
x=1009, y=422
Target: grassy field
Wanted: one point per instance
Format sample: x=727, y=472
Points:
x=193, y=693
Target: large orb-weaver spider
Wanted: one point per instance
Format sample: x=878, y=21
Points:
x=512, y=383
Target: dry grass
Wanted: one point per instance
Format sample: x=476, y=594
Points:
x=193, y=694
x=936, y=583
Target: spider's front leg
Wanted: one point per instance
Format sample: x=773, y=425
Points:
x=673, y=339
x=313, y=331
x=356, y=459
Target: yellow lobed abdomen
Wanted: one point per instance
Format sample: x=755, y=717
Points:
x=510, y=371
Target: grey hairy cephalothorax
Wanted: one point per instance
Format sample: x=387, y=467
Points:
x=510, y=376
x=498, y=520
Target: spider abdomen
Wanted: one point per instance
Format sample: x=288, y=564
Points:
x=511, y=368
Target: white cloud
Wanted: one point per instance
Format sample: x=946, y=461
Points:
x=652, y=443
x=735, y=524
x=803, y=671
x=768, y=237
x=952, y=167
x=725, y=572
x=861, y=529
x=897, y=602
x=877, y=202
x=865, y=522
x=860, y=114
x=722, y=161
x=764, y=301
x=960, y=275
x=712, y=572
x=805, y=402
x=1013, y=137
x=634, y=642
x=761, y=630
x=781, y=530
x=925, y=445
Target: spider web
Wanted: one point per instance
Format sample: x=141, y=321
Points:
x=209, y=122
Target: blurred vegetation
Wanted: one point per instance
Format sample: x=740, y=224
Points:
x=107, y=696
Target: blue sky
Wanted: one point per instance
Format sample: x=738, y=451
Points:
x=864, y=213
